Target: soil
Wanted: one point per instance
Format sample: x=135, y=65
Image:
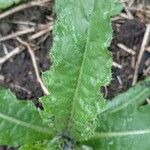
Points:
x=18, y=75
x=129, y=33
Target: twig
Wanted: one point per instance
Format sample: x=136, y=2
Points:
x=16, y=34
x=26, y=31
x=42, y=39
x=143, y=46
x=125, y=16
x=148, y=49
x=2, y=78
x=133, y=61
x=146, y=71
x=116, y=18
x=5, y=49
x=22, y=7
x=117, y=65
x=106, y=91
x=18, y=87
x=130, y=3
x=32, y=55
x=40, y=33
x=14, y=52
x=123, y=47
x=23, y=23
x=119, y=80
x=129, y=14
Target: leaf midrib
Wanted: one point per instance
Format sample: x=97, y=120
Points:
x=79, y=78
x=121, y=134
x=24, y=124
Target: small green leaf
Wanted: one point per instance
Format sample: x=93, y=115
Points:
x=7, y=3
x=20, y=122
x=81, y=65
x=130, y=99
x=125, y=125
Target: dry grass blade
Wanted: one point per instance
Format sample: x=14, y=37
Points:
x=40, y=33
x=16, y=34
x=11, y=54
x=143, y=46
x=117, y=65
x=42, y=28
x=123, y=47
x=31, y=52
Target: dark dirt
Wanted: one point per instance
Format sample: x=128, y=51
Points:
x=18, y=72
x=130, y=33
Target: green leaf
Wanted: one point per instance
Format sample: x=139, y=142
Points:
x=20, y=122
x=125, y=124
x=53, y=144
x=130, y=99
x=81, y=65
x=35, y=146
x=7, y=3
x=115, y=7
